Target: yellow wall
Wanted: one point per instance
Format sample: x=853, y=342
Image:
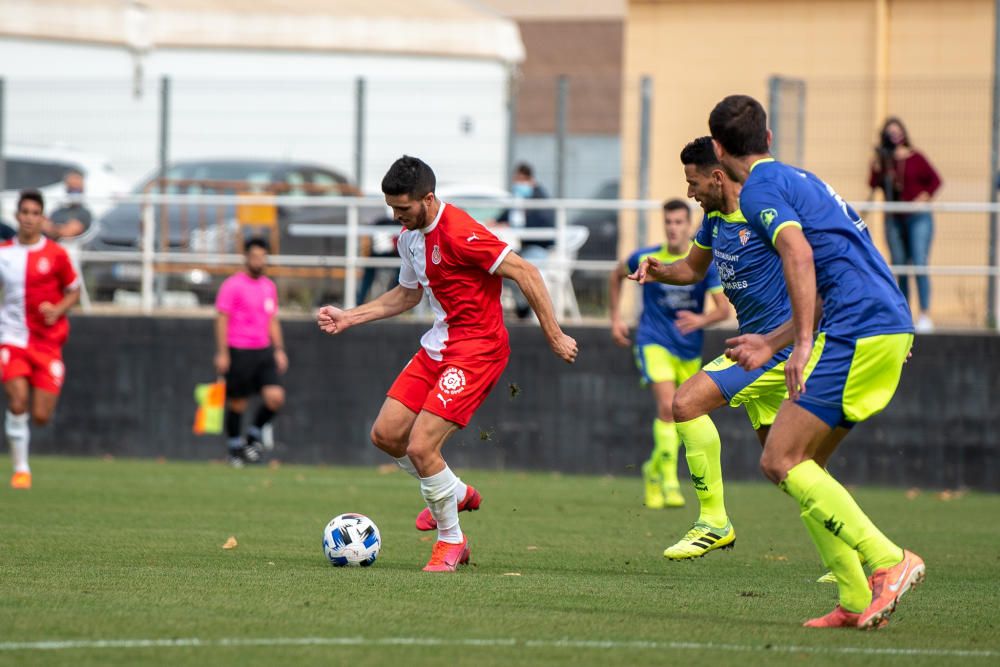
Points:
x=936, y=63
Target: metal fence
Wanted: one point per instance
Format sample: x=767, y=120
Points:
x=158, y=268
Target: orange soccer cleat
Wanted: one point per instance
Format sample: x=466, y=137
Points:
x=446, y=557
x=470, y=503
x=21, y=480
x=838, y=618
x=888, y=585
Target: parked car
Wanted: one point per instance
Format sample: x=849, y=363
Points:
x=43, y=168
x=218, y=229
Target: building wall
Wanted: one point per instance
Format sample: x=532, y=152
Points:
x=928, y=62
x=266, y=104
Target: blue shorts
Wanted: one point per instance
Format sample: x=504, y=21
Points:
x=855, y=378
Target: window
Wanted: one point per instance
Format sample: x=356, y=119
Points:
x=24, y=173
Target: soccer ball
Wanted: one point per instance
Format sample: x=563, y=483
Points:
x=351, y=539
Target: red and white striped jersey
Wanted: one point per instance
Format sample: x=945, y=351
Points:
x=454, y=259
x=32, y=275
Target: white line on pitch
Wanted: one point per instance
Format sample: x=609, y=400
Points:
x=69, y=644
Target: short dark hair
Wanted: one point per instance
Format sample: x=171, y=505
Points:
x=524, y=169
x=409, y=176
x=699, y=153
x=739, y=123
x=30, y=195
x=257, y=242
x=677, y=205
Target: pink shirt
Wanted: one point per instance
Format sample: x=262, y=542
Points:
x=250, y=304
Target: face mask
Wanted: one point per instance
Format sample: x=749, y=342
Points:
x=524, y=190
x=74, y=191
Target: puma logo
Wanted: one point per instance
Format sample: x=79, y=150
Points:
x=444, y=401
x=472, y=238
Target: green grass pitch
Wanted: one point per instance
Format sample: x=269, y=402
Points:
x=567, y=570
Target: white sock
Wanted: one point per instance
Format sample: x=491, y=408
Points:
x=439, y=493
x=18, y=435
x=461, y=488
x=406, y=464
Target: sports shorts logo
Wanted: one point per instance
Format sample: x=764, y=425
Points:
x=744, y=236
x=57, y=370
x=767, y=216
x=452, y=381
x=436, y=254
x=4, y=356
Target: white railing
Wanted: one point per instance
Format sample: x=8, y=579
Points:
x=148, y=256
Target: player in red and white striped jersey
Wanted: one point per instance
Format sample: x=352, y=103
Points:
x=459, y=264
x=39, y=285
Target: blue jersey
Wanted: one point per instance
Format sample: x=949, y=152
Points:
x=660, y=304
x=750, y=271
x=860, y=295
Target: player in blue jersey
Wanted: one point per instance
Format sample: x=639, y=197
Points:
x=826, y=251
x=667, y=343
x=752, y=280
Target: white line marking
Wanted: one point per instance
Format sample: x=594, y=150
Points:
x=70, y=644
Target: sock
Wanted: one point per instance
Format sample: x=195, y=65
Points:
x=855, y=596
x=703, y=450
x=823, y=498
x=234, y=424
x=19, y=436
x=665, y=446
x=406, y=464
x=263, y=416
x=461, y=488
x=439, y=493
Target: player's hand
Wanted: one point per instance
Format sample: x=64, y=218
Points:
x=648, y=271
x=221, y=363
x=619, y=333
x=49, y=312
x=795, y=369
x=332, y=320
x=565, y=347
x=688, y=322
x=749, y=351
x=281, y=361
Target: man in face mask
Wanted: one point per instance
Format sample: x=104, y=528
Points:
x=72, y=218
x=535, y=251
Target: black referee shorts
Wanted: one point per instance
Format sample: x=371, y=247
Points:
x=249, y=370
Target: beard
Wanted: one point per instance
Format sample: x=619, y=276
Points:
x=255, y=272
x=422, y=218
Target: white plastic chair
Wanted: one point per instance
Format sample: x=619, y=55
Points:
x=559, y=275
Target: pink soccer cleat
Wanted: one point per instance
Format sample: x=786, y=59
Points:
x=470, y=503
x=446, y=557
x=888, y=585
x=838, y=618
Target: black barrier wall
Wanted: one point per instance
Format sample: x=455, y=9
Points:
x=130, y=382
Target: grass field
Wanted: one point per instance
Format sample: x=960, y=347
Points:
x=567, y=570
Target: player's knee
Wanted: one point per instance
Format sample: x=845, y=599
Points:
x=274, y=400
x=17, y=406
x=40, y=417
x=774, y=467
x=387, y=441
x=665, y=411
x=683, y=408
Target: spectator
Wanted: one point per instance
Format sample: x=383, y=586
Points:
x=535, y=251
x=383, y=245
x=72, y=218
x=904, y=174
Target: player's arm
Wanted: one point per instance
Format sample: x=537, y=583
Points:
x=800, y=280
x=278, y=343
x=689, y=322
x=221, y=342
x=532, y=286
x=333, y=320
x=53, y=311
x=619, y=329
x=687, y=271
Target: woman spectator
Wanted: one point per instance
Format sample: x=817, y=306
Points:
x=904, y=174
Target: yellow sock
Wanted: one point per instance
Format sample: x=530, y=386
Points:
x=823, y=498
x=665, y=446
x=703, y=448
x=843, y=561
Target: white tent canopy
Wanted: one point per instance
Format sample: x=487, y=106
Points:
x=426, y=27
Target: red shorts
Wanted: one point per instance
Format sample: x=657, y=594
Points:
x=452, y=390
x=43, y=368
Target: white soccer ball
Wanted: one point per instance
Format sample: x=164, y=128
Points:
x=351, y=539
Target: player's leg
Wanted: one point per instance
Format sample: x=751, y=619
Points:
x=18, y=430
x=272, y=398
x=391, y=432
x=656, y=372
x=666, y=444
x=239, y=388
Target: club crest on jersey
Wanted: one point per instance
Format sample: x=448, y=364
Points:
x=452, y=381
x=269, y=305
x=767, y=216
x=436, y=254
x=44, y=266
x=744, y=236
